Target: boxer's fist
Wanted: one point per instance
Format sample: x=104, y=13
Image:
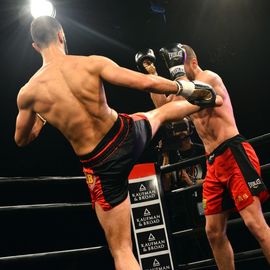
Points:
x=145, y=61
x=174, y=56
x=197, y=93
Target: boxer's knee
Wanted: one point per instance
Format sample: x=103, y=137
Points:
x=258, y=228
x=215, y=228
x=254, y=220
x=215, y=233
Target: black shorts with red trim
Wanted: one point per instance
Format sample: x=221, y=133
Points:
x=107, y=167
x=233, y=177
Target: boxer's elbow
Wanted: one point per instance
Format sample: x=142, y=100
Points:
x=20, y=142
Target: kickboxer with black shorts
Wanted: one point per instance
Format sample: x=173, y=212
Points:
x=233, y=180
x=67, y=92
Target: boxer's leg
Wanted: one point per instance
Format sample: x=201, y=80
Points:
x=117, y=228
x=255, y=221
x=170, y=112
x=215, y=228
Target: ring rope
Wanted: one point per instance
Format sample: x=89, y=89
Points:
x=54, y=253
x=241, y=256
x=193, y=161
x=43, y=206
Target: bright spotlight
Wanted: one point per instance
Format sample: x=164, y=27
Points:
x=42, y=8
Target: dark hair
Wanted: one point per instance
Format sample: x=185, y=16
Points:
x=44, y=31
x=190, y=52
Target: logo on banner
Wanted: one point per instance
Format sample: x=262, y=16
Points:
x=156, y=263
x=148, y=219
x=157, y=266
x=153, y=245
x=142, y=188
x=152, y=241
x=143, y=192
x=147, y=216
x=151, y=237
x=146, y=212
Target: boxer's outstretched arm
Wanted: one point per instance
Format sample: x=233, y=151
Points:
x=28, y=123
x=114, y=74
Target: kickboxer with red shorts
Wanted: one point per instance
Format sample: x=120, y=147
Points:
x=233, y=178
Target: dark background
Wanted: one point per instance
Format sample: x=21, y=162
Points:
x=230, y=37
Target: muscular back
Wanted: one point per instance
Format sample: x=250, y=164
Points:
x=69, y=94
x=215, y=125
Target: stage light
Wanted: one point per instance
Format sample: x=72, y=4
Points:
x=42, y=8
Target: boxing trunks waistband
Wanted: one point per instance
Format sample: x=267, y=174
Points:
x=107, y=145
x=224, y=146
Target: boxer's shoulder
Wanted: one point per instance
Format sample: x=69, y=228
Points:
x=208, y=76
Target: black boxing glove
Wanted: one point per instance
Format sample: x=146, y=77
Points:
x=174, y=56
x=197, y=93
x=145, y=61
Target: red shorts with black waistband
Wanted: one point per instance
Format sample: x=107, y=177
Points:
x=107, y=167
x=233, y=177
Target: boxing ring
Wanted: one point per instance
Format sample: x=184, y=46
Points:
x=48, y=222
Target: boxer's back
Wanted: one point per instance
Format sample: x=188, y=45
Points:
x=69, y=94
